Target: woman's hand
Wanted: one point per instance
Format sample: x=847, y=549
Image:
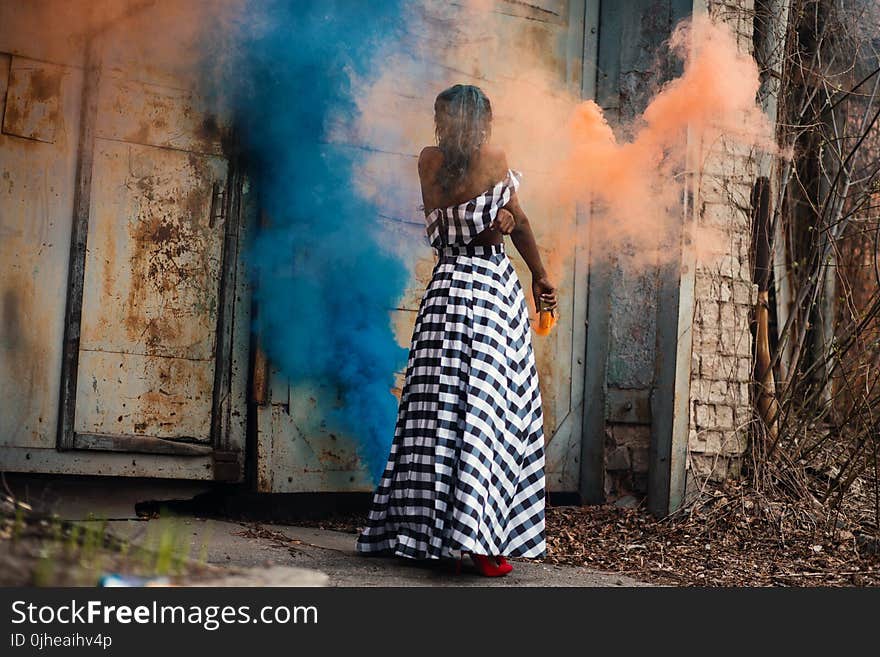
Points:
x=504, y=222
x=544, y=290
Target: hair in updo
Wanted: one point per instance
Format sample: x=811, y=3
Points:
x=462, y=122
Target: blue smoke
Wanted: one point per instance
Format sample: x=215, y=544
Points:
x=324, y=287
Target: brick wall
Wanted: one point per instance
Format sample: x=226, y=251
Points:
x=721, y=363
x=627, y=448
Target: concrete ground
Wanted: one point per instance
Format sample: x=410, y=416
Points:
x=298, y=555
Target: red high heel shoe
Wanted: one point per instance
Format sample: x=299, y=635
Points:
x=488, y=568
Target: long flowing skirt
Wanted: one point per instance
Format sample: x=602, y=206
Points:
x=466, y=468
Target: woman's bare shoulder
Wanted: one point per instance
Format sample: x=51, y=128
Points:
x=430, y=158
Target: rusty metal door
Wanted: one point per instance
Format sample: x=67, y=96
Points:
x=148, y=333
x=124, y=313
x=149, y=311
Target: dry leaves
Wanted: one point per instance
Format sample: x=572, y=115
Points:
x=733, y=536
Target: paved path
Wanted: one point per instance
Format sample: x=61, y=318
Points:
x=331, y=552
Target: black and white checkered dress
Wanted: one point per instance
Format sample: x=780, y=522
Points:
x=466, y=469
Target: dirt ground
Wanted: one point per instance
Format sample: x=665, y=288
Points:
x=36, y=550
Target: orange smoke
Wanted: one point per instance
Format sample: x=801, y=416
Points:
x=638, y=185
x=565, y=147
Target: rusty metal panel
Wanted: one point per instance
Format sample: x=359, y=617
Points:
x=148, y=355
x=312, y=458
x=155, y=239
x=260, y=377
x=23, y=459
x=134, y=394
x=155, y=114
x=26, y=30
x=151, y=293
x=36, y=205
x=33, y=100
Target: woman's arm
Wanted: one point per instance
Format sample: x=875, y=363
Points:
x=524, y=240
x=429, y=161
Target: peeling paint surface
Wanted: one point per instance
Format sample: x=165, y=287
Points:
x=33, y=100
x=159, y=115
x=157, y=229
x=151, y=292
x=36, y=205
x=133, y=394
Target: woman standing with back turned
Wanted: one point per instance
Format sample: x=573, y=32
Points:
x=466, y=469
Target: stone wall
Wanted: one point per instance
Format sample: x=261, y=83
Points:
x=721, y=362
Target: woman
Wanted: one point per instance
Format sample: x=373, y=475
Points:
x=466, y=469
